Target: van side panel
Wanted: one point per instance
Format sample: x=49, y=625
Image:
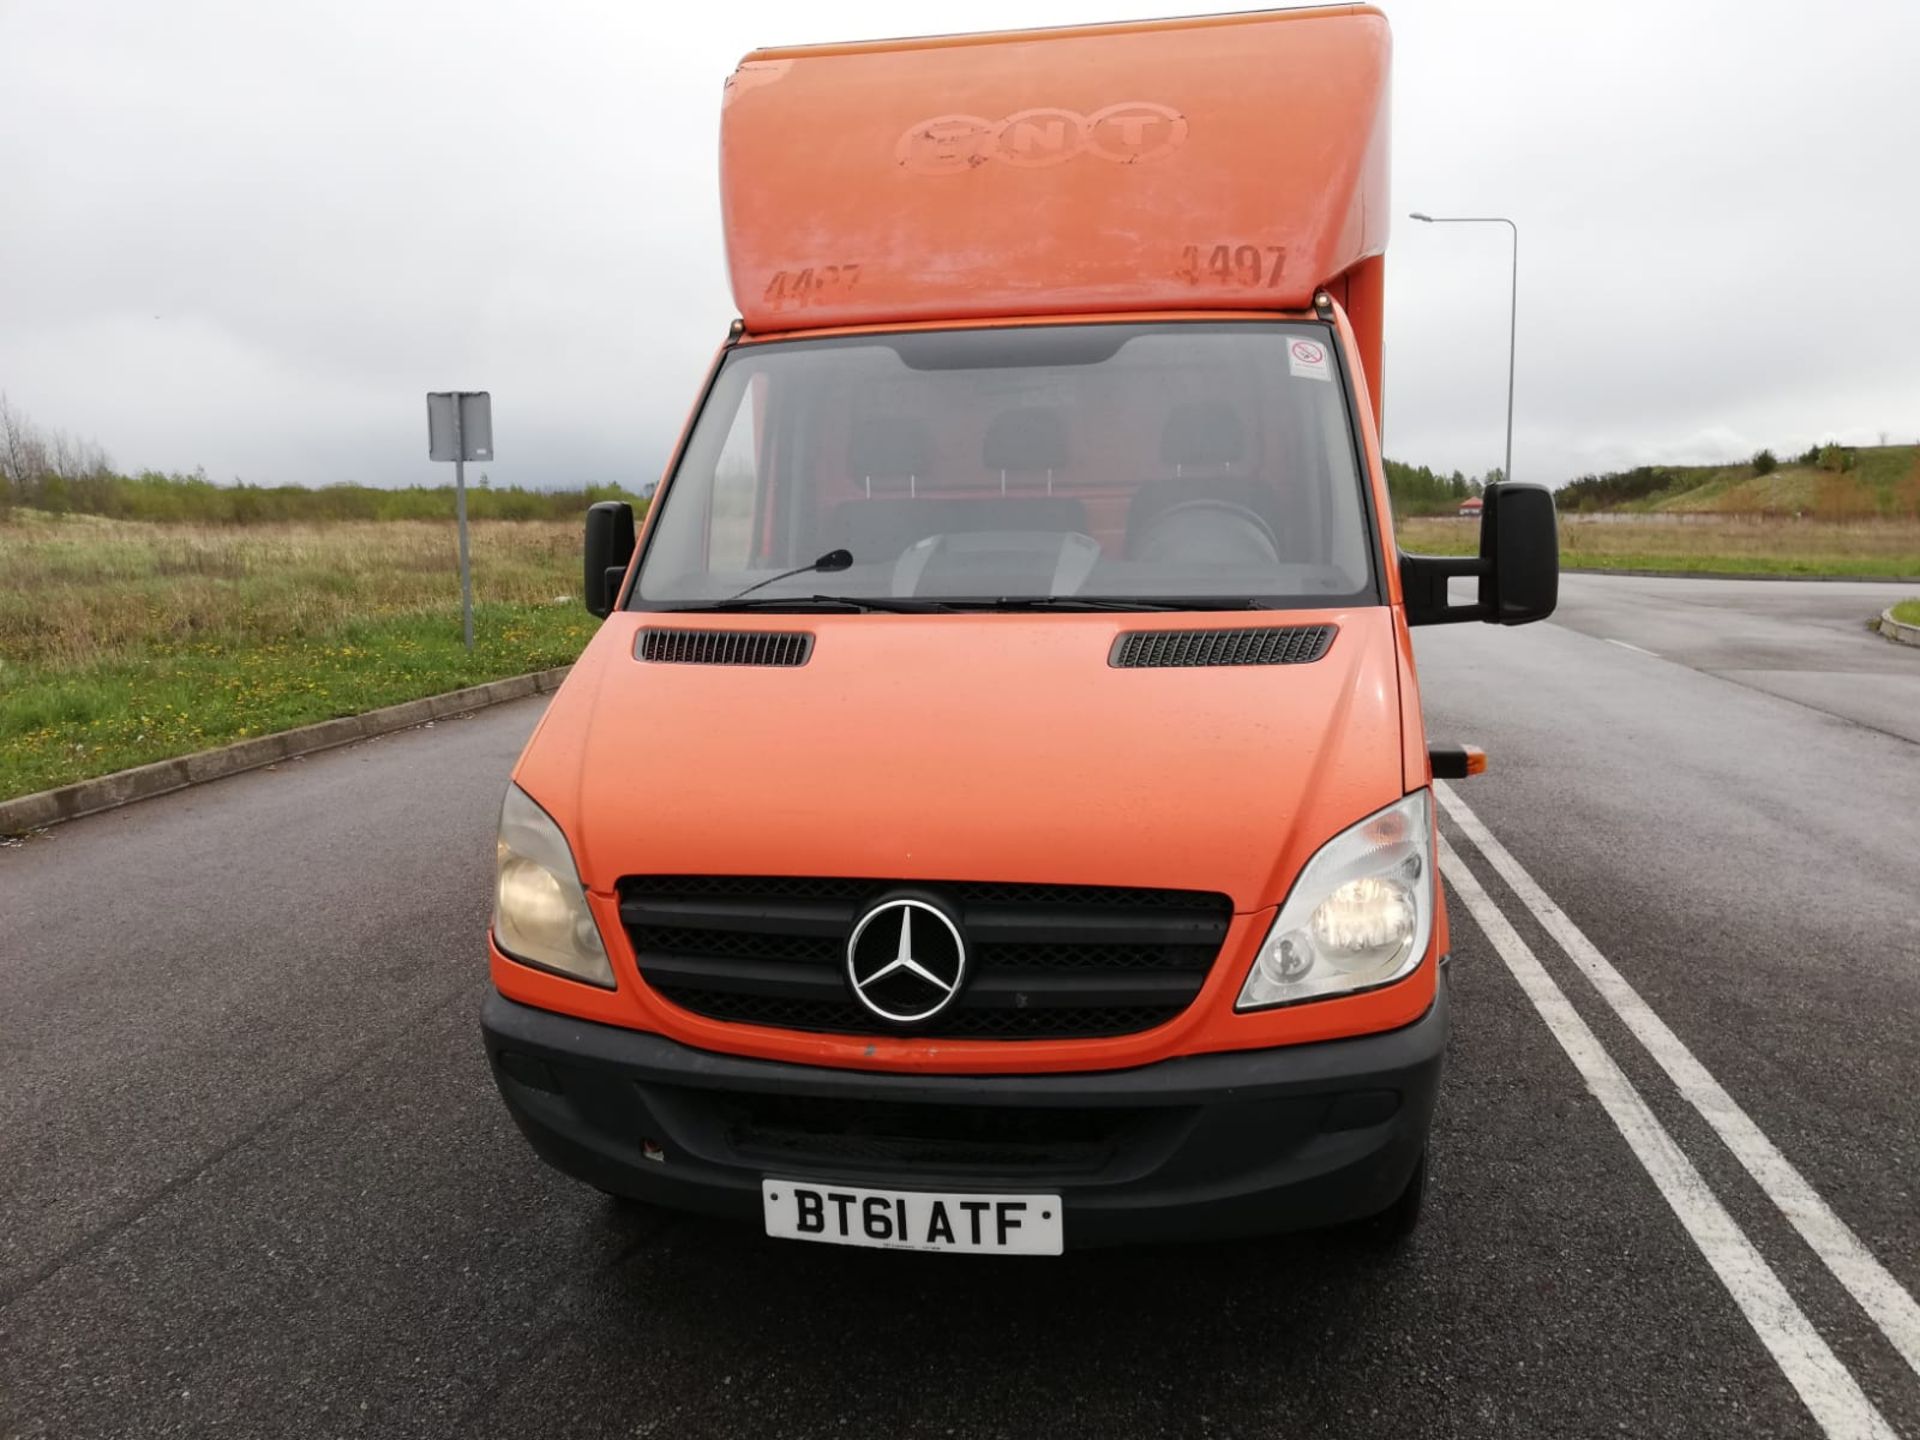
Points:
x=1361, y=292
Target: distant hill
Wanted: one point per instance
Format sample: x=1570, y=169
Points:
x=1829, y=482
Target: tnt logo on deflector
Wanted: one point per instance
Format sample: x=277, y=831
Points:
x=1129, y=133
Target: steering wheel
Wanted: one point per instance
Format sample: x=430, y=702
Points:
x=1211, y=532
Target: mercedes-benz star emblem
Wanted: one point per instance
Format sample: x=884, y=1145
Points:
x=906, y=961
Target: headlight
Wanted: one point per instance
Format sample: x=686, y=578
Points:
x=540, y=912
x=1360, y=914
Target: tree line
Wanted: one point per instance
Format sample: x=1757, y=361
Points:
x=1418, y=490
x=55, y=472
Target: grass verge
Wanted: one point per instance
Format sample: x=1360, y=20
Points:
x=1907, y=612
x=1722, y=546
x=123, y=643
x=56, y=728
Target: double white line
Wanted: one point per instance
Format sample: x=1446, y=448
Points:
x=1824, y=1384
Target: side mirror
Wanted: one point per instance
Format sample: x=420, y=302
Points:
x=1518, y=565
x=609, y=548
x=1520, y=543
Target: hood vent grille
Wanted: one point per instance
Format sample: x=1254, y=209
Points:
x=1268, y=645
x=724, y=647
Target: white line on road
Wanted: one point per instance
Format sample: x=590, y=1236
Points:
x=1638, y=650
x=1825, y=1386
x=1852, y=1264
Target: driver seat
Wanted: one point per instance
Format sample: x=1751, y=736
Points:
x=1205, y=444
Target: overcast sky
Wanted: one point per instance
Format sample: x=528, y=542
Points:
x=249, y=236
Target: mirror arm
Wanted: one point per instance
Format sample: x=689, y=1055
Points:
x=1423, y=587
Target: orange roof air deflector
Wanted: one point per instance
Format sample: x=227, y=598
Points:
x=1234, y=162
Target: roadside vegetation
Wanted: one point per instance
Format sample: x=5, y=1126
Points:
x=1720, y=545
x=147, y=616
x=1907, y=612
x=1831, y=510
x=123, y=642
x=1825, y=482
x=1418, y=490
x=52, y=473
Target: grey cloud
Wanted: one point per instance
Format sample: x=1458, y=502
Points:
x=250, y=237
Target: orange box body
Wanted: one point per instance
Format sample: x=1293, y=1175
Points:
x=1234, y=162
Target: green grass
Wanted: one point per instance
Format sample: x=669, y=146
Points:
x=1726, y=545
x=1884, y=482
x=1785, y=492
x=1907, y=612
x=123, y=643
x=1787, y=565
x=61, y=727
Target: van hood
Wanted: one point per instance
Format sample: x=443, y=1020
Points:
x=991, y=747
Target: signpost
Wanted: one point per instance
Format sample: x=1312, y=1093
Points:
x=460, y=428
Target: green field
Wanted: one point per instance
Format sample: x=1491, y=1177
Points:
x=1722, y=545
x=124, y=642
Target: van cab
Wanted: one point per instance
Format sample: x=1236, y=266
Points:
x=994, y=814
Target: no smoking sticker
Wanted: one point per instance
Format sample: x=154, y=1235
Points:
x=1308, y=359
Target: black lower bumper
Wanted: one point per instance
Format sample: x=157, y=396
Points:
x=1206, y=1146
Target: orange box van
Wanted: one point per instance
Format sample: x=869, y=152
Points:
x=994, y=815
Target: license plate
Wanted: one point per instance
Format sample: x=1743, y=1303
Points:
x=913, y=1219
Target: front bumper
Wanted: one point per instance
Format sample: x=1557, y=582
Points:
x=1200, y=1147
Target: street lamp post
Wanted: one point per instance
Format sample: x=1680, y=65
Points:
x=1513, y=305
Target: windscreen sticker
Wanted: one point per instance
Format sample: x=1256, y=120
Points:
x=1308, y=359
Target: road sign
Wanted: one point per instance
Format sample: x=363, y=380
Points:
x=462, y=432
x=460, y=428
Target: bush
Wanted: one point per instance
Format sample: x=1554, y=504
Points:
x=1764, y=462
x=1836, y=458
x=194, y=499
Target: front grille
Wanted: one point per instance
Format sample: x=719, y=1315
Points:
x=1262, y=645
x=724, y=647
x=1049, y=961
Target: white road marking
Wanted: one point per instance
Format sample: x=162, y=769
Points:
x=1853, y=1265
x=1825, y=1386
x=1638, y=650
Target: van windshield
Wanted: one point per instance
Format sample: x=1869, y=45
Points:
x=1167, y=465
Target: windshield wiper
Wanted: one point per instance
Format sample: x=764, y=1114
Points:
x=832, y=560
x=903, y=605
x=1097, y=602
x=848, y=603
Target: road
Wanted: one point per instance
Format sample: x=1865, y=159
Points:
x=256, y=1181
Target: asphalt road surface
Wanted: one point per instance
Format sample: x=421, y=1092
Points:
x=254, y=1179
